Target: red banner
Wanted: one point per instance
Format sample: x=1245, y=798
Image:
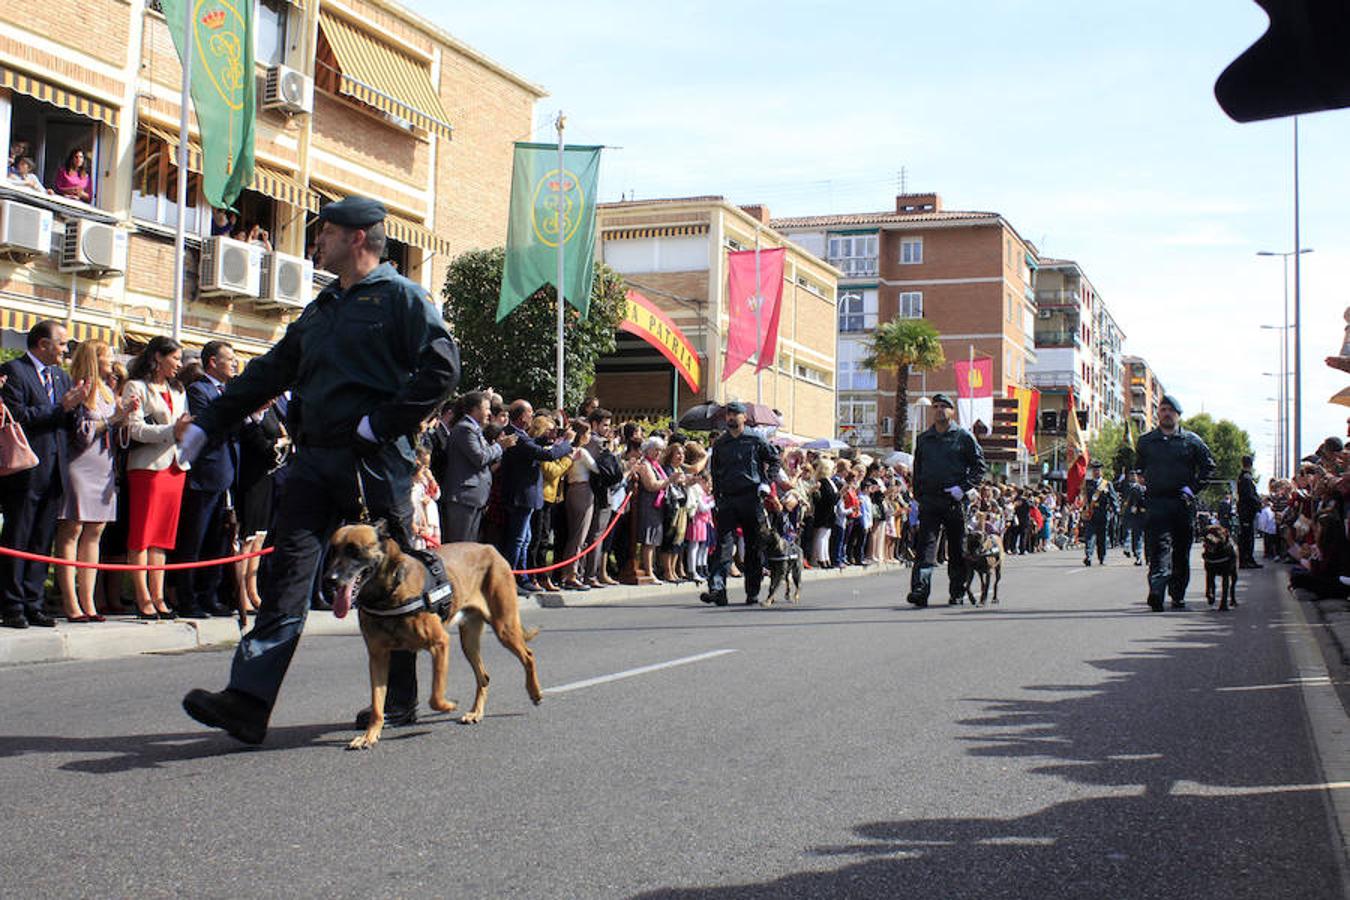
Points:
x=744, y=297
x=1078, y=466
x=975, y=392
x=644, y=319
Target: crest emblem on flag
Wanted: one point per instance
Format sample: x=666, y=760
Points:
x=551, y=190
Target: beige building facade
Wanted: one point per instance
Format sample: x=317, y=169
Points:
x=674, y=252
x=361, y=96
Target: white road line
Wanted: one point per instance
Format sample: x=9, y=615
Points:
x=629, y=673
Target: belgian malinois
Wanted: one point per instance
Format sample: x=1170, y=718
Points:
x=367, y=569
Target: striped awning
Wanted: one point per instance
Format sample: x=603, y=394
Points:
x=379, y=75
x=629, y=234
x=141, y=334
x=21, y=322
x=57, y=96
x=266, y=180
x=409, y=232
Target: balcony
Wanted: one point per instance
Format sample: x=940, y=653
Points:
x=1047, y=339
x=858, y=435
x=1056, y=378
x=856, y=266
x=1051, y=297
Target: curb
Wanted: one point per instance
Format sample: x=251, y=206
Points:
x=122, y=638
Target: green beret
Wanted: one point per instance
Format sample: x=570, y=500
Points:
x=354, y=212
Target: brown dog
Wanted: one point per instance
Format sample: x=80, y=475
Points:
x=367, y=569
x=1221, y=561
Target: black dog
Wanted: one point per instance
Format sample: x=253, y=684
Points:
x=784, y=559
x=983, y=557
x=1221, y=562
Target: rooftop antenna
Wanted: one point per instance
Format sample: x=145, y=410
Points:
x=904, y=180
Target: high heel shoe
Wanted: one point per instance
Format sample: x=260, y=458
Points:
x=166, y=615
x=96, y=617
x=147, y=616
x=75, y=620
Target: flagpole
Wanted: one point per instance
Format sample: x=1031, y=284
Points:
x=561, y=123
x=180, y=234
x=759, y=332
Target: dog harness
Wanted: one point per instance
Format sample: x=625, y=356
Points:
x=435, y=600
x=791, y=556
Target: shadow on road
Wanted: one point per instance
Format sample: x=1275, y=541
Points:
x=1187, y=791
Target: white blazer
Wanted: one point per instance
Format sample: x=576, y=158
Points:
x=151, y=427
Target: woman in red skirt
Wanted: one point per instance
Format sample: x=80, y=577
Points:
x=155, y=474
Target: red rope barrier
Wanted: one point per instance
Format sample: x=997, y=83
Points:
x=598, y=541
x=128, y=567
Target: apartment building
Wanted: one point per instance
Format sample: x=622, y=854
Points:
x=1144, y=393
x=361, y=96
x=969, y=273
x=674, y=252
x=1078, y=351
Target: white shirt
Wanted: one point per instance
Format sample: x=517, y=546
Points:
x=583, y=466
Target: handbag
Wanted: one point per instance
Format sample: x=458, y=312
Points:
x=15, y=453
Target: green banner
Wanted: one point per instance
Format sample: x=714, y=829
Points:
x=550, y=208
x=222, y=89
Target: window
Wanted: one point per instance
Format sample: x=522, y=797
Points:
x=911, y=251
x=857, y=310
x=813, y=375
x=852, y=375
x=269, y=32
x=854, y=255
x=1011, y=308
x=49, y=136
x=857, y=412
x=911, y=305
x=154, y=188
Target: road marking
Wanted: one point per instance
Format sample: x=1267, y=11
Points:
x=1193, y=789
x=629, y=673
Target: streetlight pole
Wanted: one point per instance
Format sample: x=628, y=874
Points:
x=1298, y=331
x=1285, y=467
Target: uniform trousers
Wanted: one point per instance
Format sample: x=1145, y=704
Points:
x=1247, y=539
x=1134, y=533
x=1168, y=533
x=746, y=512
x=939, y=516
x=1095, y=529
x=320, y=495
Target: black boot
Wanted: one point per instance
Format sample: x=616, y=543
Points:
x=240, y=715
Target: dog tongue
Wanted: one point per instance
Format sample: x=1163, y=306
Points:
x=342, y=603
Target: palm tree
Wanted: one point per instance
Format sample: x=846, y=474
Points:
x=904, y=345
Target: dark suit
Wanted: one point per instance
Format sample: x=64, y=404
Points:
x=202, y=520
x=465, y=479
x=523, y=490
x=1248, y=505
x=32, y=499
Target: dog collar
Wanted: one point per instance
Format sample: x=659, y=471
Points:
x=436, y=600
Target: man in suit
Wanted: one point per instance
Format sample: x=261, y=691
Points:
x=41, y=398
x=1248, y=505
x=522, y=486
x=206, y=495
x=466, y=475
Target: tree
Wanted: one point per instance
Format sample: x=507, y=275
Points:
x=1225, y=440
x=1104, y=447
x=905, y=346
x=516, y=357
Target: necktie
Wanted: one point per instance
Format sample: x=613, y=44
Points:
x=48, y=384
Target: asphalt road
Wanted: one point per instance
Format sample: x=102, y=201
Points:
x=1066, y=743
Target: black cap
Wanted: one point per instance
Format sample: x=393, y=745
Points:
x=354, y=212
x=736, y=406
x=943, y=400
x=1095, y=464
x=1172, y=402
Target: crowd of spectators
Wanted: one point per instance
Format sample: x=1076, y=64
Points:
x=1302, y=521
x=72, y=180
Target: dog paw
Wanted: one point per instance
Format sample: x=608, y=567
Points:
x=364, y=742
x=470, y=718
x=444, y=705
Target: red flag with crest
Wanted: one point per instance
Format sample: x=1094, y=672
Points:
x=743, y=298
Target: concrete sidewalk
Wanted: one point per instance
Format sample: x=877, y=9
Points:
x=126, y=636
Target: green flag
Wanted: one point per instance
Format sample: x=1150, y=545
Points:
x=222, y=89
x=536, y=213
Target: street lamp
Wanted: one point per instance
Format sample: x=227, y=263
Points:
x=1281, y=412
x=1284, y=337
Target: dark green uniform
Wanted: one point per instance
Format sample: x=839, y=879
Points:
x=379, y=349
x=943, y=460
x=1175, y=467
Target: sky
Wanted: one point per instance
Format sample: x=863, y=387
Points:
x=1091, y=127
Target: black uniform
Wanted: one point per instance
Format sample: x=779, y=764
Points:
x=1101, y=498
x=1248, y=505
x=1132, y=514
x=378, y=349
x=942, y=460
x=1172, y=465
x=743, y=469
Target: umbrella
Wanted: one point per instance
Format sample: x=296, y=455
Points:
x=1341, y=397
x=899, y=458
x=703, y=417
x=825, y=444
x=784, y=441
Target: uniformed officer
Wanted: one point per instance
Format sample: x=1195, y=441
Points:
x=1248, y=505
x=948, y=463
x=1132, y=512
x=1099, y=503
x=744, y=468
x=1176, y=464
x=366, y=363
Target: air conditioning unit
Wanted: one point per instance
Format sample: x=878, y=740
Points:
x=287, y=281
x=93, y=247
x=230, y=268
x=1043, y=313
x=25, y=228
x=322, y=279
x=288, y=90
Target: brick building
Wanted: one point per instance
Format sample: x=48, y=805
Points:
x=673, y=251
x=1144, y=393
x=361, y=96
x=969, y=273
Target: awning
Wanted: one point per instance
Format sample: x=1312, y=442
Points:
x=21, y=322
x=266, y=180
x=381, y=76
x=57, y=96
x=142, y=334
x=409, y=232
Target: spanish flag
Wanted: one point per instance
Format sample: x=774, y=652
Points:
x=1028, y=404
x=1077, y=452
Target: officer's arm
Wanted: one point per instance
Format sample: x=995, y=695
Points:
x=262, y=379
x=975, y=464
x=434, y=359
x=1204, y=463
x=769, y=461
x=914, y=469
